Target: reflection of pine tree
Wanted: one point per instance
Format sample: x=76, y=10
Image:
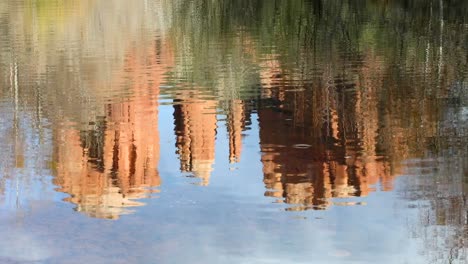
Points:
x=442, y=184
x=327, y=105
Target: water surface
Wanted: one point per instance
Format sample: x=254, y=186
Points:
x=233, y=131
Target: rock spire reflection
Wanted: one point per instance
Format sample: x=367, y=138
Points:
x=106, y=169
x=195, y=128
x=319, y=140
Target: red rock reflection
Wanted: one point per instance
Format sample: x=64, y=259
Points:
x=106, y=168
x=235, y=126
x=195, y=128
x=319, y=141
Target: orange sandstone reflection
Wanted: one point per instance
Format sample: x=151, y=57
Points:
x=319, y=140
x=195, y=128
x=105, y=169
x=235, y=126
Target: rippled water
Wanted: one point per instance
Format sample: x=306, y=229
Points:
x=194, y=131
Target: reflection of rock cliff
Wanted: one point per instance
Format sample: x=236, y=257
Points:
x=320, y=141
x=235, y=126
x=106, y=168
x=91, y=188
x=195, y=127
